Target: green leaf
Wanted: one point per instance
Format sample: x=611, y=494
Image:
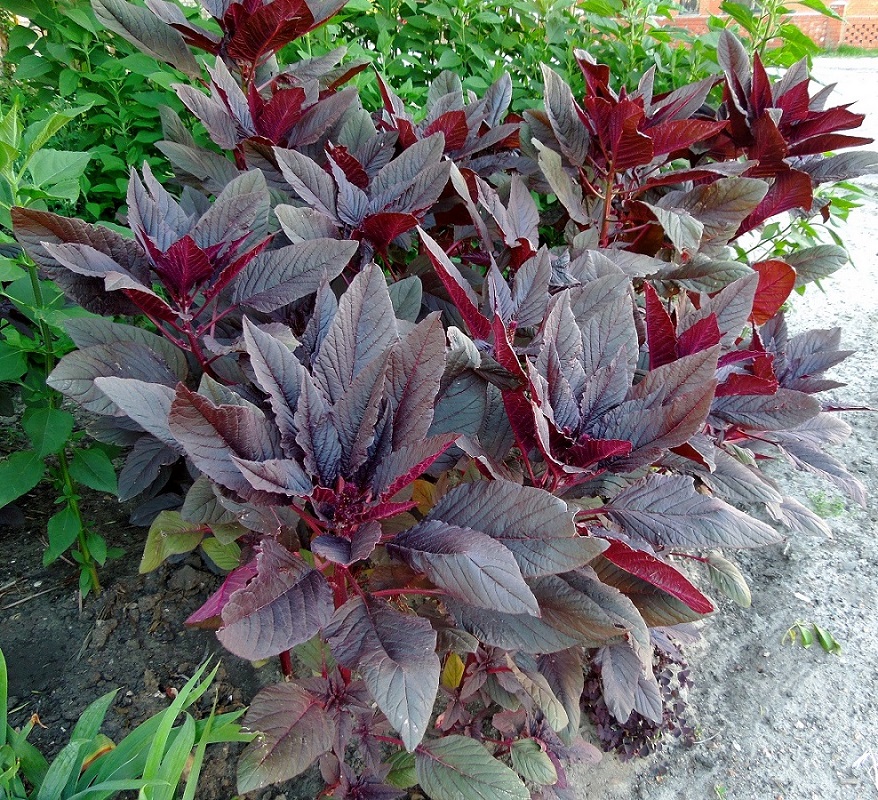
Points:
x=10, y=271
x=459, y=768
x=65, y=767
x=31, y=67
x=169, y=535
x=48, y=429
x=531, y=762
x=39, y=133
x=63, y=529
x=57, y=172
x=827, y=640
x=10, y=129
x=68, y=82
x=89, y=724
x=12, y=363
x=226, y=556
x=19, y=474
x=819, y=7
x=402, y=770
x=94, y=469
x=97, y=546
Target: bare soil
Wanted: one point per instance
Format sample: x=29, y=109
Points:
x=775, y=721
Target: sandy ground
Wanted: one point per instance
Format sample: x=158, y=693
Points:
x=775, y=721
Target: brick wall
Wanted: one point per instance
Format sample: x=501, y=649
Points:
x=858, y=29
x=861, y=31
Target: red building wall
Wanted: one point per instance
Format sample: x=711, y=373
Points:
x=858, y=28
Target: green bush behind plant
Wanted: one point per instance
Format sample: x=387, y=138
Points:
x=59, y=56
x=411, y=41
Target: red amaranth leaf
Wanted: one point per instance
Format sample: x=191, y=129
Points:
x=703, y=335
x=453, y=125
x=776, y=281
x=267, y=29
x=209, y=615
x=658, y=573
x=382, y=229
x=659, y=330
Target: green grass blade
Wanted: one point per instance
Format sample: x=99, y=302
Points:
x=4, y=698
x=175, y=760
x=64, y=767
x=198, y=760
x=89, y=724
x=186, y=696
x=110, y=789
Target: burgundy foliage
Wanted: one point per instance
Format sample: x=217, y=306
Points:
x=442, y=457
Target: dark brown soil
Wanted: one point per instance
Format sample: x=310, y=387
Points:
x=131, y=637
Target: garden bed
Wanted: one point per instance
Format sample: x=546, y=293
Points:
x=774, y=721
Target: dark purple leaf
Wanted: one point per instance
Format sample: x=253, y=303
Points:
x=91, y=331
x=285, y=604
x=667, y=511
x=276, y=278
x=294, y=731
x=396, y=655
x=456, y=767
x=75, y=374
x=362, y=330
x=621, y=671
x=277, y=476
x=344, y=551
x=143, y=29
x=408, y=463
x=33, y=228
x=416, y=366
x=569, y=130
x=143, y=464
x=522, y=632
x=535, y=526
x=468, y=564
x=278, y=373
x=564, y=674
x=784, y=409
x=313, y=184
x=355, y=414
x=212, y=434
x=316, y=434
x=319, y=118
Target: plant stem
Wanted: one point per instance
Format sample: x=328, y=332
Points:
x=73, y=504
x=401, y=592
x=69, y=487
x=286, y=664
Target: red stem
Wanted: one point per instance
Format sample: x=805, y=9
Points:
x=592, y=512
x=310, y=521
x=689, y=555
x=399, y=592
x=286, y=664
x=388, y=739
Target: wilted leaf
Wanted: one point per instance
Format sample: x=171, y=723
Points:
x=728, y=578
x=169, y=535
